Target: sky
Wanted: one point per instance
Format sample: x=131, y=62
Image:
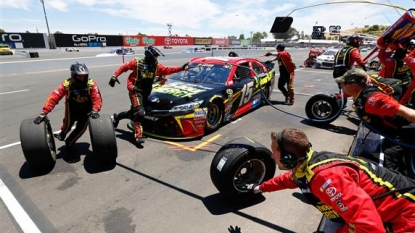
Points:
x=195, y=18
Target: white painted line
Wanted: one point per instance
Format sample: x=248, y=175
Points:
x=12, y=92
x=19, y=214
x=10, y=145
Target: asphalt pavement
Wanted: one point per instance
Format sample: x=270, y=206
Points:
x=160, y=188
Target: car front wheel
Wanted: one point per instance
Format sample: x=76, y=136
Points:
x=214, y=117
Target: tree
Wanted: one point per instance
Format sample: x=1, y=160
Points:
x=58, y=32
x=2, y=31
x=287, y=35
x=258, y=36
x=232, y=37
x=242, y=37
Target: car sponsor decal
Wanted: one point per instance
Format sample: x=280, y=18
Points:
x=324, y=186
x=179, y=90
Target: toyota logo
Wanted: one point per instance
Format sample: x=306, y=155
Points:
x=167, y=40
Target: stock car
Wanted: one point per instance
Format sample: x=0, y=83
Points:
x=214, y=90
x=326, y=60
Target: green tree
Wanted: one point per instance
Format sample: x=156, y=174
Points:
x=242, y=37
x=286, y=35
x=232, y=37
x=258, y=36
x=2, y=31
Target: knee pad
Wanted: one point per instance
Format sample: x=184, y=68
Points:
x=139, y=113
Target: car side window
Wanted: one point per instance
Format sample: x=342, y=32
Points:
x=243, y=71
x=257, y=68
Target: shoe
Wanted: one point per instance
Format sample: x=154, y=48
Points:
x=290, y=103
x=115, y=120
x=139, y=141
x=287, y=100
x=60, y=136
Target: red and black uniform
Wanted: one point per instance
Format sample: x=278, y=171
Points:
x=367, y=197
x=379, y=110
x=345, y=60
x=79, y=102
x=409, y=96
x=139, y=86
x=286, y=68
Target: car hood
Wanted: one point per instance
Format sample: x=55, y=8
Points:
x=173, y=93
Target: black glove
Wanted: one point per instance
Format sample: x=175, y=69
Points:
x=269, y=61
x=268, y=54
x=113, y=80
x=40, y=118
x=94, y=114
x=185, y=65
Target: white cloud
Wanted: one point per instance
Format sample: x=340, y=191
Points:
x=18, y=4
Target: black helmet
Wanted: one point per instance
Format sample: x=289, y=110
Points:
x=399, y=53
x=152, y=52
x=232, y=54
x=280, y=47
x=354, y=41
x=79, y=69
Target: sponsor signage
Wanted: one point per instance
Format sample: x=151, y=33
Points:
x=24, y=40
x=203, y=41
x=234, y=42
x=133, y=41
x=82, y=40
x=220, y=42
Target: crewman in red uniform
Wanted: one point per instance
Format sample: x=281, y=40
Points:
x=286, y=68
x=139, y=86
x=364, y=196
x=83, y=100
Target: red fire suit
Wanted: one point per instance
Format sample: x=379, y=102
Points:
x=409, y=95
x=140, y=84
x=369, y=198
x=80, y=100
x=286, y=68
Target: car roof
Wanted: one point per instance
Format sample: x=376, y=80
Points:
x=221, y=60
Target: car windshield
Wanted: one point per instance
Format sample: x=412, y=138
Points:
x=204, y=73
x=329, y=52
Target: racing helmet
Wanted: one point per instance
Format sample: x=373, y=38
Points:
x=280, y=47
x=412, y=43
x=152, y=53
x=354, y=41
x=79, y=69
x=399, y=53
x=232, y=54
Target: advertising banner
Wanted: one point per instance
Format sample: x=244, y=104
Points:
x=234, y=42
x=220, y=42
x=203, y=40
x=85, y=40
x=18, y=40
x=133, y=41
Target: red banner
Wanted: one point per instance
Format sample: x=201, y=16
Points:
x=220, y=42
x=134, y=41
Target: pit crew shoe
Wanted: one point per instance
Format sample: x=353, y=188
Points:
x=287, y=100
x=139, y=141
x=115, y=120
x=60, y=136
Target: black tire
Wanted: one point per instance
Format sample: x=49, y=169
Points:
x=103, y=141
x=214, y=117
x=241, y=161
x=322, y=108
x=38, y=144
x=374, y=65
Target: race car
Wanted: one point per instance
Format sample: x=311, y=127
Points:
x=214, y=90
x=326, y=59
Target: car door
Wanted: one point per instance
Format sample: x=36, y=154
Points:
x=243, y=89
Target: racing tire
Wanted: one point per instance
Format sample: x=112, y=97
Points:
x=38, y=144
x=214, y=117
x=241, y=161
x=374, y=65
x=323, y=108
x=103, y=141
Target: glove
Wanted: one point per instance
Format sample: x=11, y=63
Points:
x=40, y=118
x=268, y=54
x=250, y=188
x=269, y=61
x=113, y=80
x=93, y=114
x=185, y=65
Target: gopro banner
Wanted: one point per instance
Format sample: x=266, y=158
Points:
x=24, y=40
x=82, y=40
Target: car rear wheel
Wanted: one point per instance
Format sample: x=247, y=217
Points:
x=214, y=117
